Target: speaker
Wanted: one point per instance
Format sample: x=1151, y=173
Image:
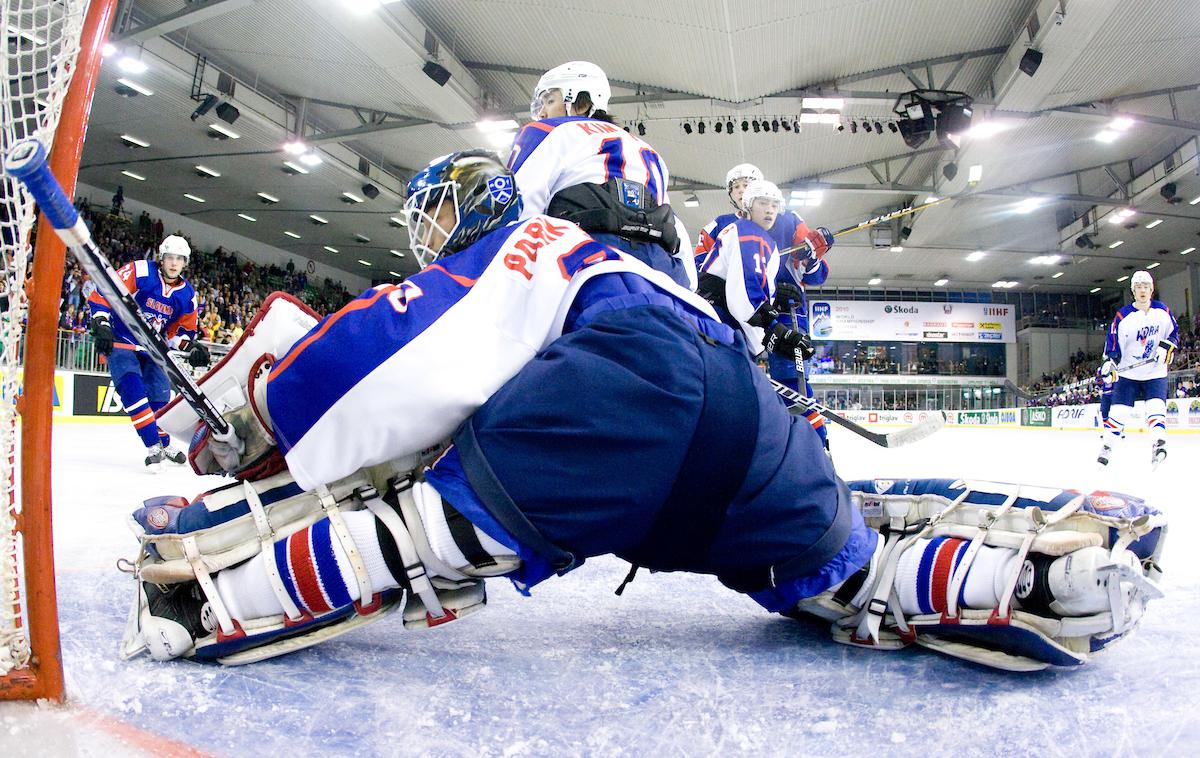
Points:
x=371, y=191
x=228, y=112
x=437, y=73
x=1030, y=61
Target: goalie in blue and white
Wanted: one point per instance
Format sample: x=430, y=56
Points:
x=569, y=402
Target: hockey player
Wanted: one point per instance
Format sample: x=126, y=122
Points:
x=168, y=303
x=736, y=181
x=1140, y=347
x=573, y=162
x=739, y=275
x=593, y=407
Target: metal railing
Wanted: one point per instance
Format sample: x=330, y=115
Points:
x=76, y=351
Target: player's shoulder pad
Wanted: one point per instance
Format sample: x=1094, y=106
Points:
x=144, y=268
x=1126, y=309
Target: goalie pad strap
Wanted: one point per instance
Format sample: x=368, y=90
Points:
x=463, y=533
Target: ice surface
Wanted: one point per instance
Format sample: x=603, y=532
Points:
x=677, y=666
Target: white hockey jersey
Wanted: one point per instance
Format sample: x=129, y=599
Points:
x=1134, y=337
x=555, y=153
x=747, y=259
x=397, y=370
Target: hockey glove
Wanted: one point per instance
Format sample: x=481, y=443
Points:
x=198, y=355
x=1108, y=371
x=787, y=295
x=1166, y=352
x=249, y=451
x=788, y=343
x=102, y=334
x=819, y=240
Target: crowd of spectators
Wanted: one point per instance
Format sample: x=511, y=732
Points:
x=229, y=288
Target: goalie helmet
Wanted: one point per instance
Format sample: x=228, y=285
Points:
x=761, y=188
x=1141, y=277
x=742, y=171
x=175, y=245
x=573, y=78
x=479, y=187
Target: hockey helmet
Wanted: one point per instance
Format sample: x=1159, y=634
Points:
x=742, y=171
x=571, y=79
x=1141, y=277
x=761, y=188
x=480, y=188
x=175, y=245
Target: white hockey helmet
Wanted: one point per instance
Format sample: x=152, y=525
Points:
x=742, y=171
x=571, y=79
x=175, y=245
x=761, y=188
x=1142, y=277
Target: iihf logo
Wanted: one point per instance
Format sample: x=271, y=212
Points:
x=501, y=188
x=947, y=309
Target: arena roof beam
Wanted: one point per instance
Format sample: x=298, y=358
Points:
x=193, y=14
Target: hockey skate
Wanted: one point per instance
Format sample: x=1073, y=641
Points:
x=1158, y=453
x=174, y=617
x=174, y=455
x=1105, y=454
x=154, y=458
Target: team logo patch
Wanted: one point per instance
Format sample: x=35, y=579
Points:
x=631, y=193
x=501, y=189
x=158, y=518
x=883, y=485
x=1103, y=501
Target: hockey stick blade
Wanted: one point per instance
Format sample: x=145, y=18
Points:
x=27, y=162
x=798, y=404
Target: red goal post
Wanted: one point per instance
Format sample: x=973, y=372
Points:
x=40, y=40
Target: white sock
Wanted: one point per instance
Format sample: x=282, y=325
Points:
x=437, y=531
x=922, y=592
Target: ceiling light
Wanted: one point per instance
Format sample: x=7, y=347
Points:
x=691, y=201
x=1044, y=260
x=108, y=49
x=361, y=239
x=296, y=168
x=978, y=255
x=487, y=125
x=396, y=253
x=1194, y=200
x=1123, y=278
x=135, y=141
x=874, y=280
x=1120, y=123
x=350, y=197
x=1185, y=251
x=293, y=235
x=311, y=159
x=1126, y=212
x=365, y=263
x=248, y=218
x=1113, y=218
x=941, y=282
x=397, y=221
x=226, y=131
x=1156, y=264
x=1108, y=135
x=987, y=129
x=1057, y=274
x=823, y=103
x=135, y=87
x=897, y=248
x=1154, y=223
x=318, y=219
x=132, y=65
x=331, y=249
x=1002, y=284
x=1028, y=205
x=268, y=198
x=396, y=274
x=975, y=174
x=1093, y=290
x=295, y=147
x=1118, y=243
x=819, y=118
x=193, y=197
x=932, y=199
x=500, y=139
x=132, y=175
x=206, y=171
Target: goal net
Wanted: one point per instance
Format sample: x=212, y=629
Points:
x=41, y=56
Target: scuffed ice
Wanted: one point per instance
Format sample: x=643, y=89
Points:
x=677, y=666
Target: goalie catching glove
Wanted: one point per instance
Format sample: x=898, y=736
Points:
x=780, y=338
x=248, y=450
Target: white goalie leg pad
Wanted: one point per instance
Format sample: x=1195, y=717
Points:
x=1100, y=585
x=280, y=322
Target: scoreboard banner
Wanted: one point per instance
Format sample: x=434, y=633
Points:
x=911, y=321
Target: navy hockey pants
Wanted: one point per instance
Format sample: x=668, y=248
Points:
x=618, y=439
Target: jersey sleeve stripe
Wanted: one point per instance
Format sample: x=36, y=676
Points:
x=357, y=305
x=464, y=281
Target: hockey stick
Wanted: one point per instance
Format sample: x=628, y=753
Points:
x=27, y=162
x=873, y=221
x=907, y=436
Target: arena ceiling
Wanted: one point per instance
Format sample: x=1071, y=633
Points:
x=352, y=72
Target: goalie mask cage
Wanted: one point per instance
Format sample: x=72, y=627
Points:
x=51, y=63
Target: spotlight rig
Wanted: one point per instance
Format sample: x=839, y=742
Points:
x=921, y=112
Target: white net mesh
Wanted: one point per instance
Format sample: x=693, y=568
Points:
x=41, y=44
